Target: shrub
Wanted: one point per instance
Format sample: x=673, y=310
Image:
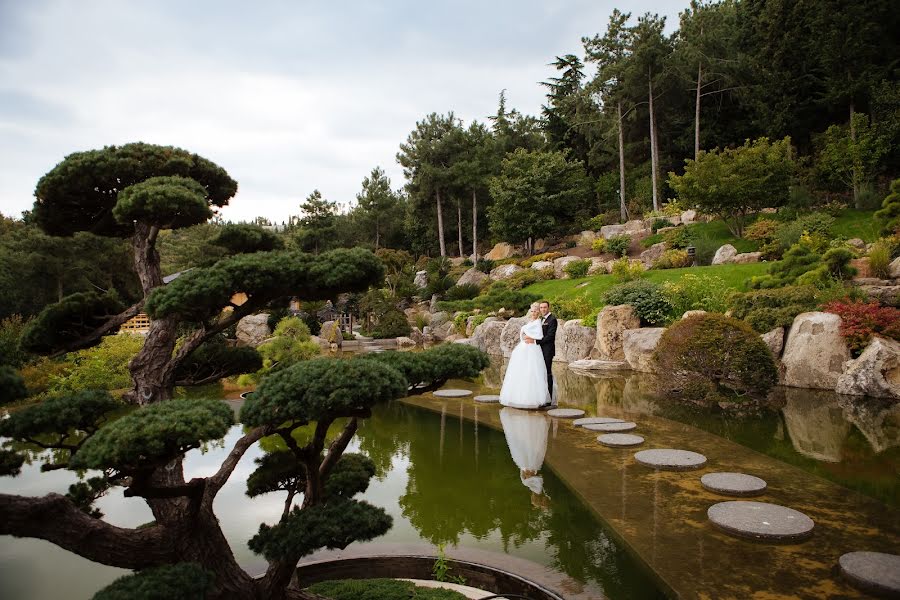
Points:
x=889, y=215
x=618, y=245
x=672, y=259
x=545, y=257
x=275, y=317
x=102, y=367
x=765, y=233
x=570, y=244
x=599, y=245
x=625, y=270
x=467, y=262
x=648, y=300
x=708, y=357
x=880, y=260
x=697, y=292
x=380, y=589
x=767, y=309
x=797, y=261
x=485, y=265
x=391, y=324
x=291, y=343
x=522, y=279
x=679, y=238
x=11, y=352
x=659, y=224
x=577, y=269
x=498, y=296
x=816, y=226
x=595, y=223
x=573, y=307
x=861, y=320
x=466, y=291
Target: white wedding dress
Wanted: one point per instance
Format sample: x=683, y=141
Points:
x=525, y=382
x=526, y=435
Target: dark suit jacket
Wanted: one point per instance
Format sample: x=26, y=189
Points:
x=548, y=343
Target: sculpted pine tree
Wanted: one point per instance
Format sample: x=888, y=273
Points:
x=135, y=191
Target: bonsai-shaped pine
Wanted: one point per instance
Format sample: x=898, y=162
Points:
x=143, y=452
x=889, y=215
x=137, y=190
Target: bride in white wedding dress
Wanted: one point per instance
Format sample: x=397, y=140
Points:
x=525, y=382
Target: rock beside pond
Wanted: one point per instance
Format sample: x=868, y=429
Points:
x=487, y=335
x=775, y=341
x=509, y=337
x=639, y=346
x=611, y=324
x=574, y=341
x=815, y=352
x=253, y=330
x=331, y=333
x=875, y=373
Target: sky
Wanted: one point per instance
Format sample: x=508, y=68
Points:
x=287, y=96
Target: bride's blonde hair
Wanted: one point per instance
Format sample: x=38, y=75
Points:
x=535, y=308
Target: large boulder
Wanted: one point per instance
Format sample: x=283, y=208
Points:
x=635, y=227
x=724, y=255
x=405, y=342
x=895, y=268
x=857, y=244
x=649, y=256
x=509, y=337
x=875, y=373
x=639, y=346
x=421, y=279
x=586, y=239
x=574, y=341
x=746, y=257
x=886, y=294
x=444, y=330
x=439, y=318
x=474, y=277
x=541, y=265
x=815, y=352
x=598, y=266
x=612, y=322
x=487, y=335
x=815, y=424
x=504, y=272
x=688, y=216
x=501, y=251
x=775, y=341
x=253, y=330
x=331, y=333
x=559, y=265
x=609, y=231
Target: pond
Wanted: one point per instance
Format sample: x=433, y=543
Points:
x=448, y=479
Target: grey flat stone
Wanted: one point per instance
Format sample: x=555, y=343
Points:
x=487, y=398
x=566, y=413
x=733, y=484
x=452, y=393
x=760, y=521
x=611, y=427
x=874, y=572
x=670, y=460
x=593, y=420
x=620, y=440
x=598, y=365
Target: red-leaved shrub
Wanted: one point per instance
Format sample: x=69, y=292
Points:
x=861, y=320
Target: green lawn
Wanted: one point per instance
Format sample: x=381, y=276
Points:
x=713, y=234
x=734, y=276
x=852, y=223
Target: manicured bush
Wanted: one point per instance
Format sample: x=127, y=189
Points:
x=880, y=260
x=625, y=270
x=889, y=215
x=524, y=278
x=182, y=581
x=391, y=324
x=572, y=307
x=11, y=352
x=466, y=291
x=648, y=300
x=380, y=589
x=767, y=309
x=595, y=223
x=711, y=357
x=103, y=367
x=498, y=296
x=485, y=265
x=599, y=245
x=672, y=259
x=861, y=320
x=765, y=233
x=659, y=224
x=577, y=268
x=679, y=238
x=618, y=245
x=797, y=261
x=291, y=343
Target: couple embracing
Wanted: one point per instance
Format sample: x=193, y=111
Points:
x=528, y=382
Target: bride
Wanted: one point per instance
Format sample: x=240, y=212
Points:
x=525, y=382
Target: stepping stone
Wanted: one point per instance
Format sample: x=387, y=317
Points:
x=593, y=420
x=670, y=460
x=611, y=427
x=733, y=484
x=760, y=521
x=566, y=413
x=487, y=398
x=452, y=393
x=620, y=440
x=874, y=572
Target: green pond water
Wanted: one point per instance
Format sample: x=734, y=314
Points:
x=447, y=480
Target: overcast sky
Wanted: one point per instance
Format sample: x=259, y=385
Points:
x=287, y=96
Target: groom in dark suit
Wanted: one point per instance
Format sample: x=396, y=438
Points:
x=548, y=342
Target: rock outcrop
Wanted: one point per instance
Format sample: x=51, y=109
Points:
x=541, y=264
x=746, y=257
x=586, y=238
x=487, y=335
x=775, y=341
x=574, y=341
x=612, y=322
x=421, y=279
x=724, y=255
x=598, y=266
x=639, y=346
x=815, y=352
x=253, y=330
x=474, y=277
x=330, y=333
x=504, y=272
x=875, y=373
x=651, y=254
x=501, y=251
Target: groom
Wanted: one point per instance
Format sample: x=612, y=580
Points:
x=548, y=342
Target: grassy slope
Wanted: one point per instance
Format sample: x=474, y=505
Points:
x=853, y=223
x=714, y=231
x=733, y=275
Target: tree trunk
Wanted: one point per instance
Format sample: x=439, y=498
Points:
x=459, y=227
x=377, y=236
x=622, y=210
x=474, y=226
x=697, y=113
x=440, y=218
x=853, y=158
x=654, y=165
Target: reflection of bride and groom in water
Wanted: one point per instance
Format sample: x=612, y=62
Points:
x=526, y=435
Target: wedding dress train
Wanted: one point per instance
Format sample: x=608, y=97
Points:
x=525, y=382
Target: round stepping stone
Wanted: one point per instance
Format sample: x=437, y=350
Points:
x=733, y=484
x=487, y=398
x=670, y=460
x=452, y=393
x=566, y=413
x=620, y=440
x=874, y=572
x=760, y=521
x=611, y=427
x=593, y=420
